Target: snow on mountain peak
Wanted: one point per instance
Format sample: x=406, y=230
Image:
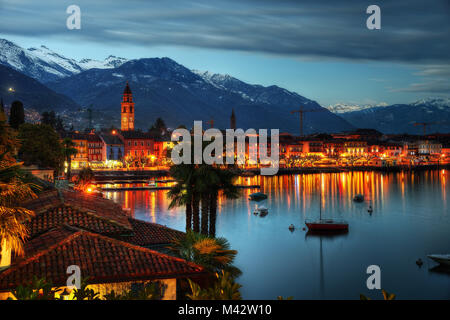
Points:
x=439, y=102
x=345, y=107
x=46, y=65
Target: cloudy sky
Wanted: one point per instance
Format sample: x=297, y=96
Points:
x=321, y=49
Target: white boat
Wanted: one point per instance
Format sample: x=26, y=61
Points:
x=443, y=259
x=262, y=211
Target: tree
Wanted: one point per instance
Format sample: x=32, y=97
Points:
x=181, y=194
x=69, y=150
x=2, y=111
x=41, y=146
x=8, y=140
x=214, y=254
x=84, y=177
x=158, y=129
x=16, y=115
x=13, y=193
x=52, y=120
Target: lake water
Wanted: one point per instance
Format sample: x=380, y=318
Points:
x=410, y=219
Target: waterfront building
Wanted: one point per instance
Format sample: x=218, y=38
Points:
x=427, y=147
x=94, y=147
x=113, y=147
x=81, y=159
x=138, y=147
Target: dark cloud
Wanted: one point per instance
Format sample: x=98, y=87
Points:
x=413, y=31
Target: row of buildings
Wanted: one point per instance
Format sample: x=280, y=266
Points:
x=127, y=147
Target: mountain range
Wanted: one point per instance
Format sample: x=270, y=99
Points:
x=45, y=80
x=163, y=88
x=403, y=118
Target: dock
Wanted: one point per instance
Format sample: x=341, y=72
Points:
x=143, y=188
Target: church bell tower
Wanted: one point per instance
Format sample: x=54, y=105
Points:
x=127, y=114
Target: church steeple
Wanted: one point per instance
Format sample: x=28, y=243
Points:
x=127, y=112
x=232, y=120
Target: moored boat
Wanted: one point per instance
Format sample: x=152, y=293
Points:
x=326, y=225
x=358, y=198
x=262, y=211
x=443, y=259
x=257, y=196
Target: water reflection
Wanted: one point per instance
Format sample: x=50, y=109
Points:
x=410, y=219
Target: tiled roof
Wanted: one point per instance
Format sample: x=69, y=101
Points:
x=98, y=207
x=148, y=234
x=66, y=215
x=102, y=259
x=136, y=135
x=111, y=139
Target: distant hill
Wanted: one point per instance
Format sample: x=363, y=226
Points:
x=400, y=118
x=34, y=95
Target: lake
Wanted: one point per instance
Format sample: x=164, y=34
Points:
x=410, y=219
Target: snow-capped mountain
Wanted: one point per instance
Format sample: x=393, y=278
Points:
x=400, y=118
x=164, y=88
x=339, y=108
x=46, y=65
x=253, y=92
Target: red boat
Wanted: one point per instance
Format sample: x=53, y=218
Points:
x=327, y=225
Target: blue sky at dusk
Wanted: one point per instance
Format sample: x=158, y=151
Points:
x=320, y=49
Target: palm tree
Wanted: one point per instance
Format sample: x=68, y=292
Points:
x=69, y=150
x=214, y=254
x=13, y=192
x=226, y=179
x=182, y=193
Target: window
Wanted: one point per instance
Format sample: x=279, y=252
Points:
x=142, y=143
x=129, y=143
x=135, y=143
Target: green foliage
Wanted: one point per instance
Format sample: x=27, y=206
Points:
x=69, y=150
x=84, y=177
x=224, y=288
x=150, y=291
x=38, y=289
x=158, y=129
x=16, y=115
x=52, y=120
x=41, y=146
x=214, y=254
x=200, y=184
x=85, y=293
x=386, y=296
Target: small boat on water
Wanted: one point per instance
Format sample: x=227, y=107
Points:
x=443, y=259
x=257, y=196
x=326, y=225
x=152, y=183
x=358, y=198
x=262, y=211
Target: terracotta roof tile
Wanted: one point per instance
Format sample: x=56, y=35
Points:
x=150, y=234
x=104, y=208
x=67, y=215
x=103, y=259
